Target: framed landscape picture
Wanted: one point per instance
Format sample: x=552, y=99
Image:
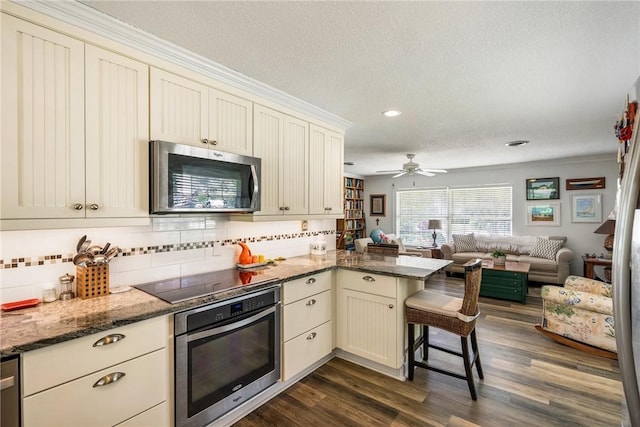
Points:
x=585, y=183
x=543, y=188
x=543, y=213
x=586, y=208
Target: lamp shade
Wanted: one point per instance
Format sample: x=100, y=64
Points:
x=608, y=227
x=434, y=224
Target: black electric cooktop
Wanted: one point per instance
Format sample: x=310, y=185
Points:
x=185, y=288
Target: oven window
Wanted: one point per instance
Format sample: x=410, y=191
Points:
x=205, y=183
x=222, y=364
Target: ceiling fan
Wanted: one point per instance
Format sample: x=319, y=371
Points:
x=413, y=168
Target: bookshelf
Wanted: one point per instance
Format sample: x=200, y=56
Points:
x=353, y=222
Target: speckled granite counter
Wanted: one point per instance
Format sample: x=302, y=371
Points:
x=47, y=324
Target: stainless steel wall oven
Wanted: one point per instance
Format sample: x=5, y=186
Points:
x=226, y=353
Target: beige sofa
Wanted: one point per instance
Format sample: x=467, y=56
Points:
x=549, y=259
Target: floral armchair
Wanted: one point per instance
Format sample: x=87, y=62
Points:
x=580, y=313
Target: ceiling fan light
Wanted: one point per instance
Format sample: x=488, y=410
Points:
x=391, y=113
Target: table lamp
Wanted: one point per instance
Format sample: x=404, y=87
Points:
x=434, y=224
x=608, y=227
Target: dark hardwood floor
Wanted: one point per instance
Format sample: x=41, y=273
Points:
x=529, y=380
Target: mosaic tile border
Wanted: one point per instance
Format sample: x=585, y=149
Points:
x=22, y=262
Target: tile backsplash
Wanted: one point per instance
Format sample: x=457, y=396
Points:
x=32, y=260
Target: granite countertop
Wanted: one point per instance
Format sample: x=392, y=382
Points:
x=52, y=323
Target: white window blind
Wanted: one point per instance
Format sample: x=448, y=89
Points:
x=486, y=209
x=415, y=209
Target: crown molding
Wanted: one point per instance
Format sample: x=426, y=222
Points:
x=89, y=19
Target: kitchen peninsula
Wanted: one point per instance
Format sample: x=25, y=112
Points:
x=340, y=304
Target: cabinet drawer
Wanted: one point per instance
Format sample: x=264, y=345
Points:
x=297, y=289
x=501, y=274
x=374, y=284
x=303, y=315
x=503, y=282
x=306, y=349
x=159, y=415
x=80, y=403
x=56, y=364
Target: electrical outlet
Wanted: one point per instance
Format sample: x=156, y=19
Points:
x=304, y=225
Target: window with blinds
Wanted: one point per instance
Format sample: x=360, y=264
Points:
x=486, y=209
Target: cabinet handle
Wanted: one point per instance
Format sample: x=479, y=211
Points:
x=94, y=206
x=77, y=206
x=311, y=336
x=286, y=208
x=368, y=278
x=311, y=281
x=8, y=382
x=311, y=302
x=205, y=141
x=109, y=339
x=109, y=379
x=390, y=305
x=214, y=142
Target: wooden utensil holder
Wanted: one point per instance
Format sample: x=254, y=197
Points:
x=92, y=281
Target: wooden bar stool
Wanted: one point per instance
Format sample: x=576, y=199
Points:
x=456, y=315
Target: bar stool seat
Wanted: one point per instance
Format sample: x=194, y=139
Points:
x=455, y=315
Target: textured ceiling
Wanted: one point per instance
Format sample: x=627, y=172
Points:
x=468, y=76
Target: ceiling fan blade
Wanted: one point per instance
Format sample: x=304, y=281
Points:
x=425, y=173
x=391, y=171
x=434, y=170
x=400, y=174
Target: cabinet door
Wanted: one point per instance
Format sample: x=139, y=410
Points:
x=325, y=171
x=42, y=93
x=367, y=326
x=230, y=123
x=179, y=108
x=294, y=169
x=117, y=135
x=269, y=136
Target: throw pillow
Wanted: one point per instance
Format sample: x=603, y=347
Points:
x=546, y=248
x=464, y=242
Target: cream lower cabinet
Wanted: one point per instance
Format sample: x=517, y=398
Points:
x=188, y=112
x=103, y=379
x=370, y=315
x=282, y=142
x=326, y=154
x=306, y=322
x=54, y=163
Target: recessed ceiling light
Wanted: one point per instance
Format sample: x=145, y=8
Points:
x=391, y=113
x=516, y=143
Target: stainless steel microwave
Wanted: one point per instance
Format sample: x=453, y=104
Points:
x=187, y=179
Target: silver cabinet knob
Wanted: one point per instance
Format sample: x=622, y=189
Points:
x=214, y=142
x=311, y=336
x=390, y=305
x=311, y=302
x=286, y=208
x=368, y=278
x=205, y=141
x=311, y=281
x=109, y=379
x=109, y=339
x=94, y=206
x=77, y=206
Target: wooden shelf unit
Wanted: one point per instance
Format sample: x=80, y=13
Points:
x=353, y=222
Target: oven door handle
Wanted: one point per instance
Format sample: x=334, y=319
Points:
x=231, y=326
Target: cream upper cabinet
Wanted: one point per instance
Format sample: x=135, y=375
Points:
x=282, y=142
x=326, y=153
x=42, y=157
x=188, y=112
x=74, y=128
x=117, y=135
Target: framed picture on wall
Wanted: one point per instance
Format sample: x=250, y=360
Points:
x=586, y=208
x=543, y=214
x=377, y=205
x=543, y=188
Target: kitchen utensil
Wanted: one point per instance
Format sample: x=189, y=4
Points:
x=82, y=259
x=85, y=246
x=80, y=243
x=112, y=253
x=99, y=259
x=106, y=248
x=95, y=249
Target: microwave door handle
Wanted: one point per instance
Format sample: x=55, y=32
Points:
x=232, y=326
x=254, y=178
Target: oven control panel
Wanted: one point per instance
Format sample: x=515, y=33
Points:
x=220, y=312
